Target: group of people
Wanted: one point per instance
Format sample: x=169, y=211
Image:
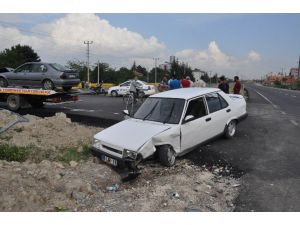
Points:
x=186, y=82
x=174, y=83
x=224, y=86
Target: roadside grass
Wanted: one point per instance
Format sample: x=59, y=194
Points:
x=19, y=129
x=72, y=154
x=14, y=153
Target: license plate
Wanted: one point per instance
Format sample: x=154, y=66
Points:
x=109, y=160
x=71, y=76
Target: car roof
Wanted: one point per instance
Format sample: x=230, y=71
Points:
x=185, y=93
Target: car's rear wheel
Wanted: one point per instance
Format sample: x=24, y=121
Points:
x=166, y=155
x=48, y=85
x=230, y=129
x=3, y=82
x=114, y=93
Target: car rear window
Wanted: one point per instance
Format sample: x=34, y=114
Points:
x=215, y=102
x=59, y=67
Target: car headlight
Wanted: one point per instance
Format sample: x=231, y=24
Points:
x=129, y=154
x=96, y=143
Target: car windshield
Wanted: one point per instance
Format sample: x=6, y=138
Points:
x=59, y=67
x=164, y=110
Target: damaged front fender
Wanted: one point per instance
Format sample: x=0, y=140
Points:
x=171, y=137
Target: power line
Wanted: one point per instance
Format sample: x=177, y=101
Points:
x=88, y=43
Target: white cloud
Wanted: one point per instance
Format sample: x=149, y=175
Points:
x=254, y=56
x=211, y=57
x=63, y=39
x=215, y=60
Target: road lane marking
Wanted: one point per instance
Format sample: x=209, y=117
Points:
x=82, y=110
x=294, y=122
x=264, y=97
x=282, y=112
x=294, y=96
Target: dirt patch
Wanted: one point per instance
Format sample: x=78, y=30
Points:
x=84, y=185
x=48, y=137
x=52, y=186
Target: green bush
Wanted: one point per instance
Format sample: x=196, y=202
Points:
x=72, y=154
x=13, y=153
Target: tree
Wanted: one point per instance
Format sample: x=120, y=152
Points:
x=17, y=55
x=205, y=78
x=80, y=67
x=103, y=69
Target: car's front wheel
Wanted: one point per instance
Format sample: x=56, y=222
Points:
x=48, y=85
x=3, y=82
x=230, y=129
x=166, y=155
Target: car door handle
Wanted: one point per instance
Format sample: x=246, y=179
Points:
x=207, y=119
x=228, y=110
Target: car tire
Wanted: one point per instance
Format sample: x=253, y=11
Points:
x=48, y=85
x=14, y=102
x=114, y=93
x=230, y=129
x=166, y=155
x=3, y=82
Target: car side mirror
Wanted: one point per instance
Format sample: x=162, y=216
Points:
x=188, y=118
x=126, y=112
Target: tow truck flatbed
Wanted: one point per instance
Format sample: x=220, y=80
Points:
x=16, y=97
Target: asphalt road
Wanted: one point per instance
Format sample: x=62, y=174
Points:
x=266, y=148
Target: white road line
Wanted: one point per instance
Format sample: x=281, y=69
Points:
x=82, y=110
x=294, y=122
x=275, y=106
x=282, y=112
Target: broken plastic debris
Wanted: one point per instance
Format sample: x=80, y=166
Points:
x=113, y=188
x=176, y=195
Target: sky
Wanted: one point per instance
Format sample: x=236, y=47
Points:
x=248, y=45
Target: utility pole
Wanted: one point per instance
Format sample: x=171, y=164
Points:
x=210, y=78
x=299, y=68
x=88, y=43
x=98, y=71
x=155, y=60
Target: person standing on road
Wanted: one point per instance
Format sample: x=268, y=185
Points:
x=164, y=84
x=174, y=83
x=191, y=82
x=134, y=89
x=185, y=83
x=200, y=83
x=237, y=85
x=223, y=85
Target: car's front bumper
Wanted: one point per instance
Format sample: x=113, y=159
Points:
x=121, y=161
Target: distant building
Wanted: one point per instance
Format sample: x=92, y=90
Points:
x=172, y=58
x=294, y=72
x=198, y=74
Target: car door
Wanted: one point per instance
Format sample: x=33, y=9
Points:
x=124, y=88
x=36, y=74
x=18, y=77
x=194, y=131
x=218, y=113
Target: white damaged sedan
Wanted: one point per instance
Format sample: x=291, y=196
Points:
x=171, y=124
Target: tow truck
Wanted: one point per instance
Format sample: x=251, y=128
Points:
x=17, y=97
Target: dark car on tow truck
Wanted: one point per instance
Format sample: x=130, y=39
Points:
x=48, y=76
